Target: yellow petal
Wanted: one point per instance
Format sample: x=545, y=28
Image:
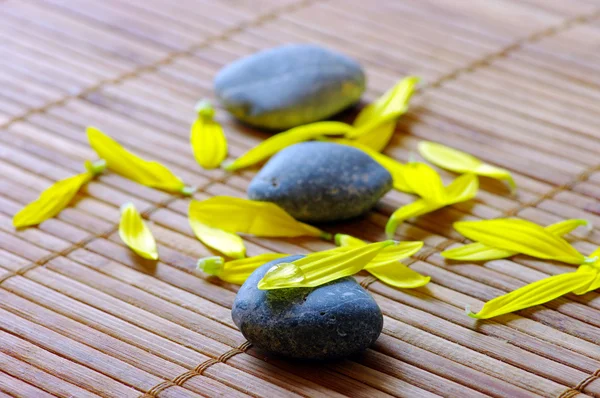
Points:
x=207, y=138
x=348, y=240
x=425, y=182
x=594, y=281
x=476, y=252
x=236, y=271
x=536, y=293
x=250, y=217
x=276, y=143
x=461, y=162
x=125, y=163
x=134, y=232
x=414, y=209
x=520, y=236
x=398, y=275
x=463, y=188
x=480, y=252
x=315, y=271
x=55, y=198
x=225, y=242
x=385, y=109
x=378, y=137
x=564, y=227
x=395, y=168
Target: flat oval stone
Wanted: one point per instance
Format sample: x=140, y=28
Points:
x=331, y=321
x=321, y=181
x=290, y=85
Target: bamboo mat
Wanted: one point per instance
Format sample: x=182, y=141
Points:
x=515, y=82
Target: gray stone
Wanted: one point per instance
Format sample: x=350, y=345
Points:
x=331, y=321
x=321, y=182
x=290, y=85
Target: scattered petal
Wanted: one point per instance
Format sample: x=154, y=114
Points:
x=225, y=242
x=463, y=188
x=237, y=215
x=414, y=209
x=480, y=252
x=276, y=143
x=125, y=163
x=55, y=198
x=378, y=137
x=425, y=182
x=311, y=271
x=461, y=162
x=236, y=271
x=536, y=293
x=134, y=232
x=522, y=237
x=208, y=141
x=384, y=110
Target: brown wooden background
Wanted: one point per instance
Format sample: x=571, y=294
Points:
x=515, y=82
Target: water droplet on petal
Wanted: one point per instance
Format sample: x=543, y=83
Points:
x=284, y=273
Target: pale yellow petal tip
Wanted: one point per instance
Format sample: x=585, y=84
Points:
x=188, y=191
x=211, y=265
x=96, y=167
x=470, y=313
x=205, y=109
x=229, y=165
x=590, y=260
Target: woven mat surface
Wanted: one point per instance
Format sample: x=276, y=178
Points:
x=515, y=82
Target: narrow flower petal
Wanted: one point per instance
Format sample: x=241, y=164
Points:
x=55, y=198
x=276, y=143
x=594, y=282
x=398, y=275
x=310, y=271
x=480, y=252
x=461, y=162
x=520, y=236
x=385, y=109
x=476, y=252
x=236, y=271
x=125, y=163
x=425, y=182
x=237, y=215
x=564, y=227
x=536, y=293
x=134, y=232
x=208, y=141
x=225, y=242
x=378, y=137
x=463, y=188
x=414, y=209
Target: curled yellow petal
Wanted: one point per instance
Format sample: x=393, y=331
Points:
x=225, y=242
x=461, y=162
x=276, y=143
x=536, y=293
x=384, y=110
x=378, y=137
x=522, y=237
x=463, y=188
x=480, y=252
x=414, y=209
x=594, y=281
x=237, y=215
x=55, y=198
x=386, y=265
x=135, y=234
x=236, y=271
x=208, y=141
x=125, y=163
x=425, y=182
x=313, y=271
